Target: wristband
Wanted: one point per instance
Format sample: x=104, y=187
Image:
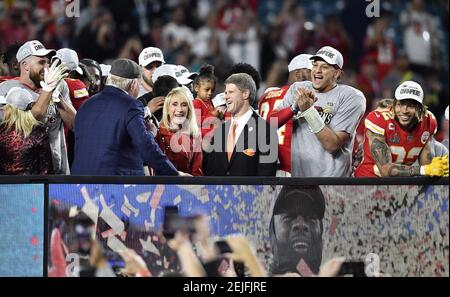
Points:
x=312, y=117
x=422, y=170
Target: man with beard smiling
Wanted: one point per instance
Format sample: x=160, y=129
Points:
x=325, y=116
x=149, y=59
x=398, y=136
x=44, y=83
x=296, y=230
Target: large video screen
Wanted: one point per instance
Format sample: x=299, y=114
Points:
x=398, y=230
x=21, y=230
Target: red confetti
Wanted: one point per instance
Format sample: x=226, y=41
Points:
x=34, y=241
x=36, y=258
x=334, y=223
x=33, y=209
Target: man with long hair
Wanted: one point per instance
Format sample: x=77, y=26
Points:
x=399, y=135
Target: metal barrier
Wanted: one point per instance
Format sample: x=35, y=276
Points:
x=395, y=225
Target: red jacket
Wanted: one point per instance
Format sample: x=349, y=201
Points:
x=204, y=110
x=185, y=154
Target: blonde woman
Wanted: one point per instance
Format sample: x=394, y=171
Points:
x=24, y=144
x=178, y=135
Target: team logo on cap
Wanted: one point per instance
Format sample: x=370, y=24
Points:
x=38, y=47
x=178, y=73
x=410, y=91
x=425, y=137
x=325, y=53
x=152, y=55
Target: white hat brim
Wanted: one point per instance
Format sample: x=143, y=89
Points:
x=43, y=52
x=325, y=58
x=79, y=70
x=146, y=63
x=184, y=80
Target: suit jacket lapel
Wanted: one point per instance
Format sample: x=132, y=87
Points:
x=225, y=142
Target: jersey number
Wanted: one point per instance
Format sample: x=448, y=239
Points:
x=264, y=111
x=402, y=156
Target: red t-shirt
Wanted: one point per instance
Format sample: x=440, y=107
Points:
x=405, y=146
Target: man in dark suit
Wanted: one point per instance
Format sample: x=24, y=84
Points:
x=246, y=145
x=110, y=135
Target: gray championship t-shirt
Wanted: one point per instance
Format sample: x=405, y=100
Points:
x=53, y=121
x=341, y=109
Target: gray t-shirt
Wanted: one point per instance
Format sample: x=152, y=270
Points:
x=341, y=110
x=53, y=121
x=438, y=149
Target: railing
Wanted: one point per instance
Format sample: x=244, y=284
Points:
x=397, y=225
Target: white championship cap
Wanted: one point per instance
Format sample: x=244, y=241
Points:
x=19, y=98
x=186, y=73
x=70, y=58
x=409, y=90
x=300, y=62
x=32, y=48
x=330, y=55
x=149, y=55
x=171, y=70
x=105, y=69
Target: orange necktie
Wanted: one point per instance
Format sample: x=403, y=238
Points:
x=231, y=140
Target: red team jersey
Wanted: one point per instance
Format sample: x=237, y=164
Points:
x=405, y=147
x=77, y=92
x=268, y=103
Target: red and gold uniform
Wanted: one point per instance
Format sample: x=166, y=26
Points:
x=77, y=92
x=405, y=146
x=268, y=103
